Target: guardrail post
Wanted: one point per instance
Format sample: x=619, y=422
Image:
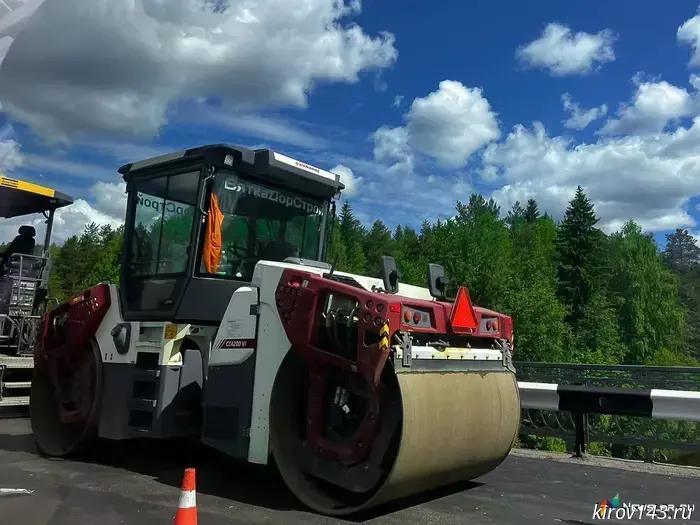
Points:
x=649, y=454
x=581, y=442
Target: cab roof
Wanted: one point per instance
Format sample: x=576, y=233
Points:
x=263, y=164
x=19, y=198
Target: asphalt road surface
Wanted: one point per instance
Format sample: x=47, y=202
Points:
x=139, y=484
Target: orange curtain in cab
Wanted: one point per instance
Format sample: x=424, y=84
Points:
x=211, y=253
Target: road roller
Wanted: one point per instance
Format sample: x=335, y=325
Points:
x=230, y=326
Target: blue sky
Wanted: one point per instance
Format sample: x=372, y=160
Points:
x=415, y=107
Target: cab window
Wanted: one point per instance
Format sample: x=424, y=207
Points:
x=252, y=221
x=165, y=211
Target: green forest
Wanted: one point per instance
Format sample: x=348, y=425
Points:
x=576, y=295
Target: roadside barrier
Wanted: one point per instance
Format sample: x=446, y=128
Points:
x=679, y=405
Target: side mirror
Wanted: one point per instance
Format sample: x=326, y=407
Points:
x=437, y=282
x=390, y=274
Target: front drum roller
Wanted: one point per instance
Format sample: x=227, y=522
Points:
x=454, y=426
x=64, y=401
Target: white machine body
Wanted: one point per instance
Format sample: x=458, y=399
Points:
x=239, y=363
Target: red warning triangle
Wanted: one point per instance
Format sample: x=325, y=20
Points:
x=462, y=317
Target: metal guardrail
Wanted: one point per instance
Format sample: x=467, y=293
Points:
x=623, y=376
x=618, y=432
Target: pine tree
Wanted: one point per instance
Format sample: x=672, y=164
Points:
x=515, y=216
x=337, y=253
x=356, y=258
x=410, y=257
x=376, y=243
x=532, y=212
x=682, y=252
x=579, y=254
x=398, y=233
x=477, y=205
x=352, y=234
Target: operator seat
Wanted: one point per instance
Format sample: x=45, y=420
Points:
x=272, y=251
x=277, y=251
x=24, y=244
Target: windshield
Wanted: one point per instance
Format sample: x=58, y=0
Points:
x=165, y=211
x=248, y=222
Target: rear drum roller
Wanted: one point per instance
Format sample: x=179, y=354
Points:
x=452, y=427
x=63, y=406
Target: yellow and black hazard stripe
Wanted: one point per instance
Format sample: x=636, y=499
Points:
x=384, y=336
x=18, y=197
x=28, y=187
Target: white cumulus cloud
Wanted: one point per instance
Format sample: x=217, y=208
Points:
x=448, y=125
x=110, y=198
x=696, y=234
x=348, y=177
x=391, y=146
x=652, y=108
x=649, y=178
x=563, y=52
x=10, y=156
x=580, y=118
x=689, y=33
x=118, y=65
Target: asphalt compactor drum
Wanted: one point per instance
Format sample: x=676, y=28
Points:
x=438, y=404
x=452, y=426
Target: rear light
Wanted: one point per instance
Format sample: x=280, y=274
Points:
x=416, y=318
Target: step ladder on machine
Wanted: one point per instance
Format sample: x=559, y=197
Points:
x=15, y=380
x=20, y=290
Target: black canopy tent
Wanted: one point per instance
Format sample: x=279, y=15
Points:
x=18, y=198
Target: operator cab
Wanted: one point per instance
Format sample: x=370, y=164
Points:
x=199, y=220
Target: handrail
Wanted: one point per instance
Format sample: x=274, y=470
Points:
x=608, y=368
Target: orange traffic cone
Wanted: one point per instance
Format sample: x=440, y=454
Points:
x=187, y=507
